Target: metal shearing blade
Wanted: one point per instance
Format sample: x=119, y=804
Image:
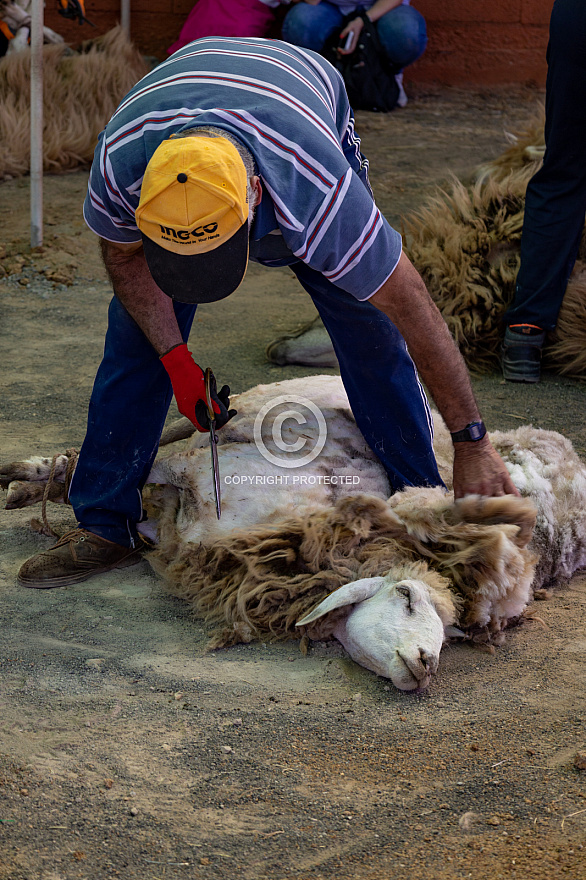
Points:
x=213, y=442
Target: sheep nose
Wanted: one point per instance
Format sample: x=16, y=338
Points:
x=428, y=661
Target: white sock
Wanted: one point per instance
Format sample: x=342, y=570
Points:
x=402, y=100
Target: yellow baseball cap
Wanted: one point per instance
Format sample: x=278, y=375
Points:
x=193, y=218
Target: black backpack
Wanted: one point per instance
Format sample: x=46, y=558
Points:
x=368, y=74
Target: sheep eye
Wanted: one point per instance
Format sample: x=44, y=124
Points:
x=404, y=591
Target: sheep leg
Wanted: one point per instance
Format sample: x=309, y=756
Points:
x=34, y=469
x=311, y=346
x=15, y=17
x=180, y=429
x=19, y=42
x=50, y=36
x=24, y=494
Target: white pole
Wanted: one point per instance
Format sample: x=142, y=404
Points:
x=36, y=160
x=125, y=16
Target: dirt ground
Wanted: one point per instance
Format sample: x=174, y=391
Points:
x=128, y=751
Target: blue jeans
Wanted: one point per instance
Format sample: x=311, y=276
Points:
x=132, y=393
x=401, y=31
x=555, y=204
x=128, y=407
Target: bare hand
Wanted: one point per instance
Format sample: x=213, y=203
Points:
x=479, y=470
x=354, y=27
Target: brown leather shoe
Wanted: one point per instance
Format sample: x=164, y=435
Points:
x=75, y=557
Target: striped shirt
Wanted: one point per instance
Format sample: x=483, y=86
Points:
x=288, y=106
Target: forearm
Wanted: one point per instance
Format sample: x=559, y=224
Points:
x=143, y=300
x=478, y=469
x=154, y=313
x=405, y=300
x=380, y=8
x=376, y=11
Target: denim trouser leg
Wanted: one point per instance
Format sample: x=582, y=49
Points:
x=403, y=35
x=383, y=388
x=127, y=411
x=401, y=31
x=310, y=26
x=556, y=196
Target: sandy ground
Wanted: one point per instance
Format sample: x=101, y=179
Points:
x=128, y=751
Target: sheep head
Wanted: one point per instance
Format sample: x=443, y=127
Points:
x=394, y=627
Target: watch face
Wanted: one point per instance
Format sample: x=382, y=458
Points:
x=472, y=432
x=476, y=431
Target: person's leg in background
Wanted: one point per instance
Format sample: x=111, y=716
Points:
x=556, y=199
x=309, y=26
x=381, y=381
x=403, y=35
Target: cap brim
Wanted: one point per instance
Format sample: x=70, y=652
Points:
x=200, y=278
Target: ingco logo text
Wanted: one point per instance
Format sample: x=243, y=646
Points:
x=186, y=234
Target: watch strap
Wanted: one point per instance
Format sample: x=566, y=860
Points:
x=471, y=433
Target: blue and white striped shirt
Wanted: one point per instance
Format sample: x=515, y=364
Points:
x=288, y=106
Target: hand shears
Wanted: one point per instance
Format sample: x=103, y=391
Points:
x=209, y=378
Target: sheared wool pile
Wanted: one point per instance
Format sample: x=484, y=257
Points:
x=466, y=244
x=81, y=91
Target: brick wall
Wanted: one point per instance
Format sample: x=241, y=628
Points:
x=471, y=42
x=486, y=42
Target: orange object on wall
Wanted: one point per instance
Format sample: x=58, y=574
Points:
x=471, y=42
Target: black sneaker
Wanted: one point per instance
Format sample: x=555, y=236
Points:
x=521, y=355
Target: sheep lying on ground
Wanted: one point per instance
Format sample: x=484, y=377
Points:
x=81, y=91
x=466, y=245
x=298, y=553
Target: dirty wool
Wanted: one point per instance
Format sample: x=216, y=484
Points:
x=81, y=91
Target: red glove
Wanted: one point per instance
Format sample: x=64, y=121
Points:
x=188, y=382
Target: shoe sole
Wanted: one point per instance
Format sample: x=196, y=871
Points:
x=78, y=578
x=526, y=379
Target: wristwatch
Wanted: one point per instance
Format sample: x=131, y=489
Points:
x=474, y=431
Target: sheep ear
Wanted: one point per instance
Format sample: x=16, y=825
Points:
x=349, y=594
